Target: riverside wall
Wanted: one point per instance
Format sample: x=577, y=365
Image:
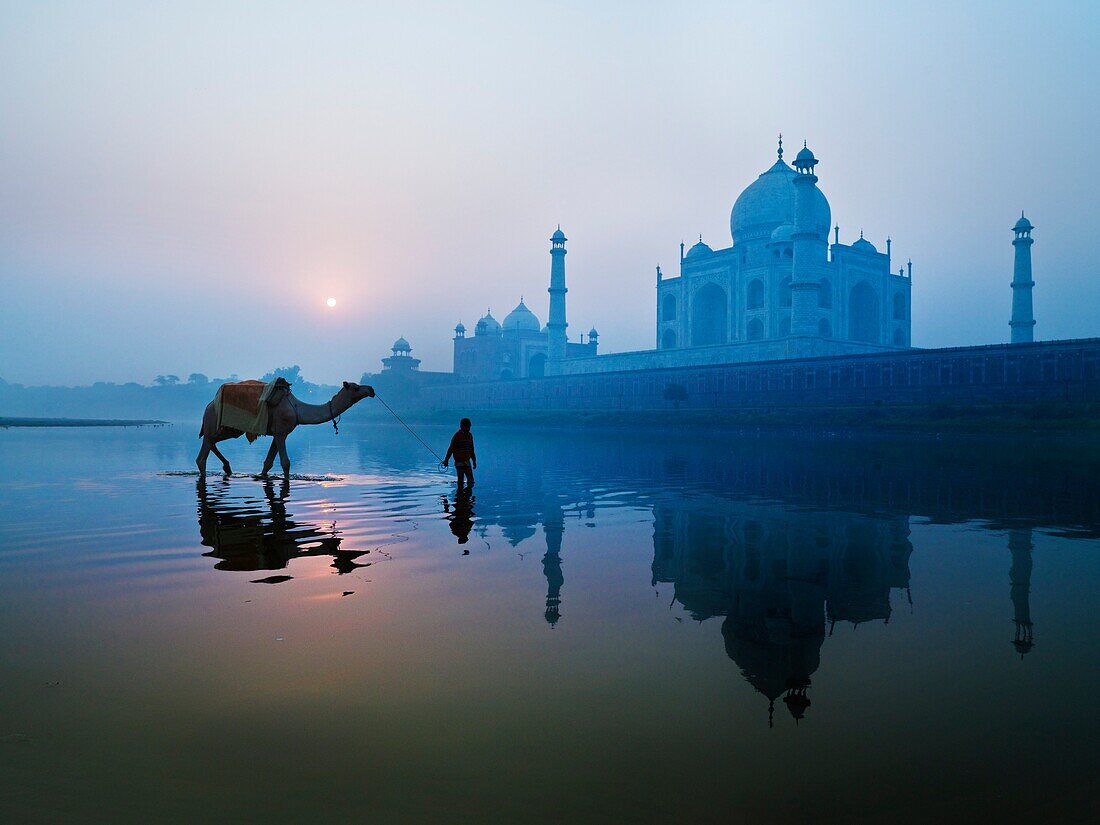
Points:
x=1045, y=371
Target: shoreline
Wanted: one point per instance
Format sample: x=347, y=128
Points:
x=1081, y=420
x=28, y=421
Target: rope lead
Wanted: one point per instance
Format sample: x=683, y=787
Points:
x=410, y=429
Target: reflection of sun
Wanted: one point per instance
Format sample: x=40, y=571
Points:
x=331, y=302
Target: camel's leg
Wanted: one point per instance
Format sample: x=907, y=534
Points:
x=284, y=459
x=225, y=461
x=269, y=462
x=200, y=459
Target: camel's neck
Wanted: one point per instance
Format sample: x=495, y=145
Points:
x=320, y=413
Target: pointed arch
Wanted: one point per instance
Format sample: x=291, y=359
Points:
x=755, y=294
x=708, y=316
x=863, y=321
x=668, y=308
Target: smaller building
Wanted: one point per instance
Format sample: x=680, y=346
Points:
x=401, y=377
x=517, y=348
x=401, y=360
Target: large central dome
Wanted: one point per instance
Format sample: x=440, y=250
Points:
x=768, y=203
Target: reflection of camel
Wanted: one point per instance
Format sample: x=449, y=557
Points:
x=250, y=534
x=283, y=416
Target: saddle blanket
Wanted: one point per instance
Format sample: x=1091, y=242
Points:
x=242, y=405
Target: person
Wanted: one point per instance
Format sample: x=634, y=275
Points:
x=462, y=448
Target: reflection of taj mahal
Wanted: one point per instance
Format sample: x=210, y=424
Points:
x=781, y=580
x=781, y=290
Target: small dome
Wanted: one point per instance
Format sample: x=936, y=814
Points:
x=592, y=333
x=460, y=327
x=521, y=318
x=558, y=235
x=488, y=325
x=401, y=345
x=864, y=245
x=782, y=233
x=1022, y=225
x=805, y=158
x=699, y=249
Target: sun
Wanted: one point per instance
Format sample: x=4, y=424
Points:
x=331, y=302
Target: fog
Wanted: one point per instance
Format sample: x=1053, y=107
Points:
x=183, y=187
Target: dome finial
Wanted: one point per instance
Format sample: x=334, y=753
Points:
x=780, y=150
x=861, y=233
x=700, y=237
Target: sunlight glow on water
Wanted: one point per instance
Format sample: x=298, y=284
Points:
x=612, y=626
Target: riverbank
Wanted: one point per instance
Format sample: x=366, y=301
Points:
x=80, y=422
x=1069, y=419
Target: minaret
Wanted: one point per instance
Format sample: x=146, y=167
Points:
x=1019, y=544
x=1023, y=317
x=555, y=324
x=807, y=247
x=553, y=526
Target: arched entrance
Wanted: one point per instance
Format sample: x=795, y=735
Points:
x=668, y=308
x=708, y=316
x=536, y=367
x=863, y=314
x=668, y=339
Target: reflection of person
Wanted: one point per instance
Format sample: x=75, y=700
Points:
x=461, y=517
x=462, y=448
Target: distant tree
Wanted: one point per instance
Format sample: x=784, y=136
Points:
x=291, y=374
x=166, y=380
x=197, y=378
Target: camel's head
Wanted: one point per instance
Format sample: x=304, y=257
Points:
x=357, y=392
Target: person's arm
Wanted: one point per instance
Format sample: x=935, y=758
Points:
x=450, y=452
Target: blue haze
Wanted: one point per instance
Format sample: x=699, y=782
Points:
x=181, y=187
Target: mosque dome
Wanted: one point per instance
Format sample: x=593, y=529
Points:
x=699, y=250
x=488, y=325
x=768, y=202
x=592, y=333
x=864, y=245
x=1022, y=225
x=460, y=328
x=520, y=319
x=401, y=345
x=558, y=235
x=782, y=233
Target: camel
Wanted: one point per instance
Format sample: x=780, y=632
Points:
x=283, y=417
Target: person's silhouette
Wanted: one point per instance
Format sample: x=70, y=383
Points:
x=460, y=516
x=462, y=448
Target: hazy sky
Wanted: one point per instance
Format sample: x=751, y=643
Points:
x=183, y=185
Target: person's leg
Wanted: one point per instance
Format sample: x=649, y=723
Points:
x=458, y=474
x=469, y=472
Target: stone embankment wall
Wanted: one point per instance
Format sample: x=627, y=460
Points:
x=1049, y=371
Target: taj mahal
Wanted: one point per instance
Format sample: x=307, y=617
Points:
x=784, y=290
x=779, y=290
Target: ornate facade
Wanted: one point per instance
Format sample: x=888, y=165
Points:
x=782, y=279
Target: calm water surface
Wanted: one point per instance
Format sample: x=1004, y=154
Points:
x=615, y=627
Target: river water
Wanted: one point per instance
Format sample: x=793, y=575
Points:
x=615, y=626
